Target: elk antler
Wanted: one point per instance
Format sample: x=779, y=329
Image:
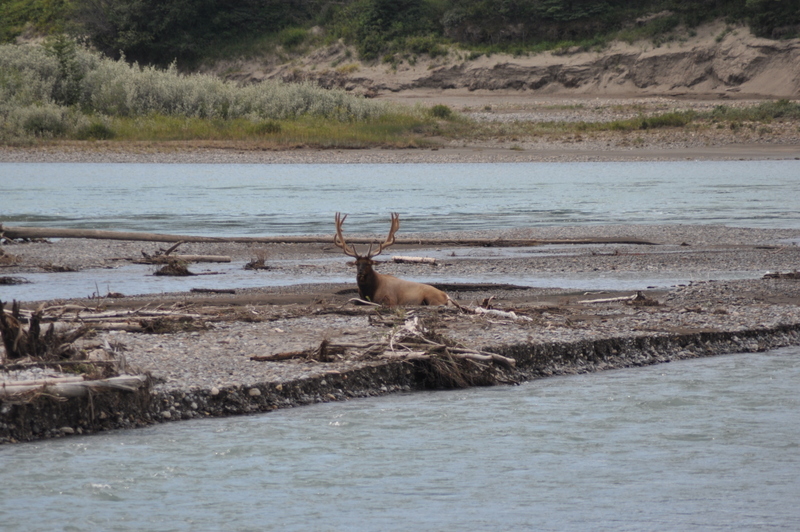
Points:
x=338, y=239
x=390, y=238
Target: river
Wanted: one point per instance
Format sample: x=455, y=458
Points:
x=291, y=199
x=708, y=444
x=266, y=200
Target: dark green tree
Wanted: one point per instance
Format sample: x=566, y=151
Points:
x=375, y=25
x=162, y=31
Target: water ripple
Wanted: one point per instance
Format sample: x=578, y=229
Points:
x=264, y=200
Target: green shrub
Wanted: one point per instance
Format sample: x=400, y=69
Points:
x=267, y=128
x=378, y=27
x=291, y=38
x=763, y=112
x=44, y=124
x=45, y=121
x=426, y=44
x=96, y=131
x=666, y=120
x=30, y=76
x=441, y=111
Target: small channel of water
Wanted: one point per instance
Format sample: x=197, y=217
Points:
x=133, y=279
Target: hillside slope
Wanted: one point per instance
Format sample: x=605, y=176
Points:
x=717, y=62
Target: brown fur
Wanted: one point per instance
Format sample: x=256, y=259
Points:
x=390, y=291
x=381, y=288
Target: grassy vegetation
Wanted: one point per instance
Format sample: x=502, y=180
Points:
x=61, y=91
x=755, y=117
x=765, y=112
x=391, y=130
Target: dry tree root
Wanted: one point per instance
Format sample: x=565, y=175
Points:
x=176, y=268
x=442, y=363
x=173, y=267
x=258, y=263
x=20, y=342
x=8, y=280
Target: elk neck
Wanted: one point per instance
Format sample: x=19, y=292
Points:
x=366, y=278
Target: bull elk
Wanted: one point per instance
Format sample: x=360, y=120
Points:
x=382, y=288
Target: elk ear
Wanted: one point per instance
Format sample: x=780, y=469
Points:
x=352, y=263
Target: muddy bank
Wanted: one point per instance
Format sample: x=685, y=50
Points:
x=47, y=417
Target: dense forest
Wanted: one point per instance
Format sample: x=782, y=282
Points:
x=187, y=31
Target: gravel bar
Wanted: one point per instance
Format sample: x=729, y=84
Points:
x=207, y=368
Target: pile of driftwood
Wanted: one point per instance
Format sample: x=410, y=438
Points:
x=29, y=344
x=175, y=264
x=65, y=317
x=22, y=341
x=443, y=362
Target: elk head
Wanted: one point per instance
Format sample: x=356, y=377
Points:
x=381, y=288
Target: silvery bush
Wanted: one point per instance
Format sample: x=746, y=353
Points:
x=44, y=86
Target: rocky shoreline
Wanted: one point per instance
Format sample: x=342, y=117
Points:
x=213, y=363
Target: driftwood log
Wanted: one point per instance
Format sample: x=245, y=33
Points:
x=510, y=314
x=779, y=275
x=638, y=296
x=71, y=386
x=414, y=260
x=44, y=232
x=166, y=259
x=62, y=319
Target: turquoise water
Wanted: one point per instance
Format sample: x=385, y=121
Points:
x=263, y=200
x=709, y=444
x=697, y=445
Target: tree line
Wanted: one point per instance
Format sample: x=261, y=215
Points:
x=162, y=31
